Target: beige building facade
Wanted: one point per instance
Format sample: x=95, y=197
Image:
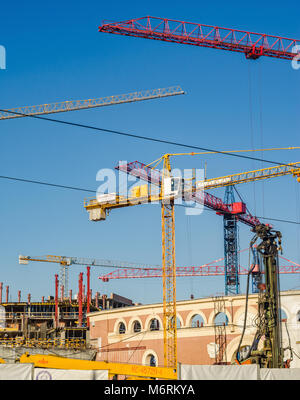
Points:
x=208, y=330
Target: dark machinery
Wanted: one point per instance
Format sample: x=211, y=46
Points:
x=270, y=353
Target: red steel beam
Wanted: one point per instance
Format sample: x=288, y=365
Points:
x=56, y=300
x=216, y=270
x=88, y=296
x=253, y=45
x=80, y=299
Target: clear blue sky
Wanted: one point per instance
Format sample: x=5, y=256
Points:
x=55, y=53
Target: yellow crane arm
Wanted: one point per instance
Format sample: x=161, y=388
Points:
x=99, y=207
x=49, y=361
x=72, y=105
x=250, y=176
x=48, y=258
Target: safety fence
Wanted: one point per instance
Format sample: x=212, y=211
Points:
x=43, y=343
x=38, y=315
x=236, y=372
x=186, y=372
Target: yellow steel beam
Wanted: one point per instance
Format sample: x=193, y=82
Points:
x=250, y=176
x=49, y=361
x=233, y=151
x=98, y=211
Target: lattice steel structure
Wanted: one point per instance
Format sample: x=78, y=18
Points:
x=231, y=261
x=220, y=332
x=72, y=105
x=253, y=45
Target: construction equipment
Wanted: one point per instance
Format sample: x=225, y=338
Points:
x=231, y=210
x=172, y=188
x=145, y=371
x=253, y=45
x=72, y=105
x=268, y=320
x=66, y=262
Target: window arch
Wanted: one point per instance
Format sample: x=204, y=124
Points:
x=121, y=328
x=137, y=326
x=221, y=319
x=298, y=316
x=154, y=324
x=197, y=321
x=151, y=360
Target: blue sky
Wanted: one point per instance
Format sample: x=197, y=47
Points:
x=55, y=53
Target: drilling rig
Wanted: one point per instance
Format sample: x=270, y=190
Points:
x=270, y=354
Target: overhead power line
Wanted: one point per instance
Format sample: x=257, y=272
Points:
x=46, y=183
x=147, y=138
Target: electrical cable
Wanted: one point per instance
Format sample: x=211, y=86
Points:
x=148, y=138
x=246, y=306
x=46, y=184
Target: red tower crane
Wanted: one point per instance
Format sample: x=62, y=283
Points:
x=253, y=45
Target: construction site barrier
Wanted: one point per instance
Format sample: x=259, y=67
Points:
x=27, y=372
x=235, y=372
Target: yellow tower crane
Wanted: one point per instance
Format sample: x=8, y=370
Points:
x=65, y=262
x=72, y=105
x=171, y=188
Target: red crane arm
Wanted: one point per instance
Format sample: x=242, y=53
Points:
x=253, y=45
x=154, y=176
x=205, y=270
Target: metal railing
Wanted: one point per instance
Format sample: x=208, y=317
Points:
x=43, y=343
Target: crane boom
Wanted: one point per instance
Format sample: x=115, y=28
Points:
x=250, y=176
x=72, y=105
x=253, y=45
x=84, y=261
x=66, y=262
x=154, y=176
x=203, y=270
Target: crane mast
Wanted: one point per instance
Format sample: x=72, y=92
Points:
x=168, y=273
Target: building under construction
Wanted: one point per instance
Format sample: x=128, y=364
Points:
x=52, y=322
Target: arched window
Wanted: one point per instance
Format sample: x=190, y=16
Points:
x=137, y=326
x=197, y=321
x=178, y=323
x=298, y=316
x=151, y=360
x=221, y=319
x=122, y=328
x=154, y=325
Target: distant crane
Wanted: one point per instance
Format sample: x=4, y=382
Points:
x=72, y=105
x=202, y=270
x=66, y=262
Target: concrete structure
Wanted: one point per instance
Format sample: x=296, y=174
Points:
x=135, y=335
